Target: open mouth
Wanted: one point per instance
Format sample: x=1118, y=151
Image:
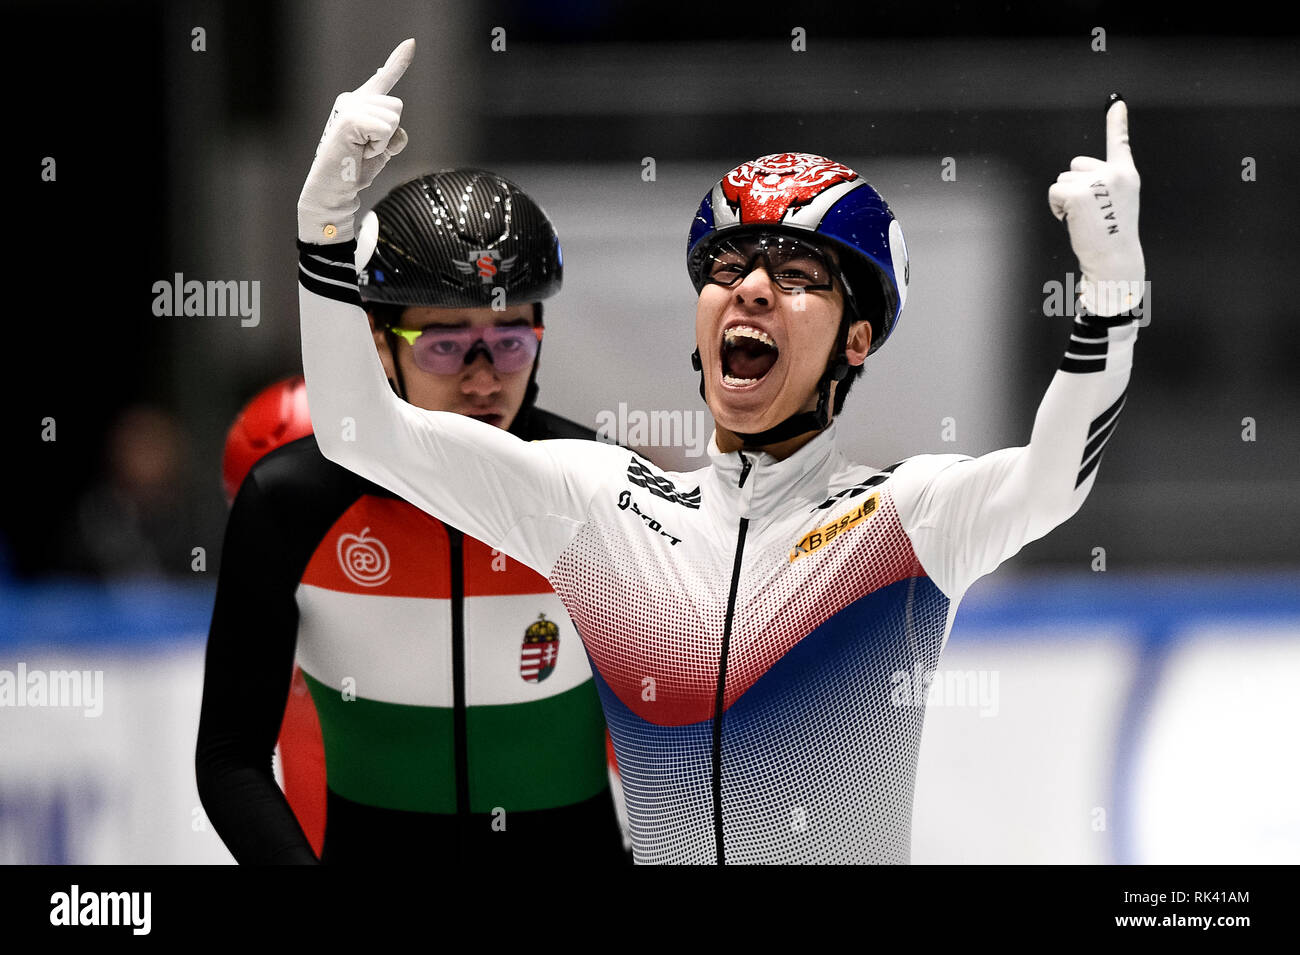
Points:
x=748, y=354
x=492, y=419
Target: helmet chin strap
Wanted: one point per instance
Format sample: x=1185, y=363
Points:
x=520, y=427
x=399, y=386
x=801, y=422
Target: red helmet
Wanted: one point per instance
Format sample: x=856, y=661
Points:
x=275, y=416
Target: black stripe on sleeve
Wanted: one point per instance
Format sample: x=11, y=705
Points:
x=1106, y=415
x=1091, y=466
x=341, y=253
x=328, y=290
x=1083, y=366
x=328, y=271
x=1085, y=348
x=1101, y=321
x=334, y=271
x=1099, y=433
x=1099, y=439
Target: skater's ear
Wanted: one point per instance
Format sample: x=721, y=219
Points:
x=859, y=343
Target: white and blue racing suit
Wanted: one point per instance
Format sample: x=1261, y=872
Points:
x=746, y=623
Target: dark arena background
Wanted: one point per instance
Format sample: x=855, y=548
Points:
x=1122, y=691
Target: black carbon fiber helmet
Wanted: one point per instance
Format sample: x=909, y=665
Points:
x=450, y=239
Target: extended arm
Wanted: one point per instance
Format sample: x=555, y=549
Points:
x=975, y=513
x=526, y=499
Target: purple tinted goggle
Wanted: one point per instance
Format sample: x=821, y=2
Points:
x=444, y=350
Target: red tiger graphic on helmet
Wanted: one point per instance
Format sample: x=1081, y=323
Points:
x=767, y=188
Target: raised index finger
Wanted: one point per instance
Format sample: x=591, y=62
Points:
x=1117, y=150
x=386, y=76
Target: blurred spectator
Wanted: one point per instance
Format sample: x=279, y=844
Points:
x=138, y=521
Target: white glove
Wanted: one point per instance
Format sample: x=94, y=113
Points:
x=1098, y=201
x=361, y=136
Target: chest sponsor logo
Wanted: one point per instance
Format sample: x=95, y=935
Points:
x=625, y=502
x=829, y=533
x=540, y=651
x=364, y=560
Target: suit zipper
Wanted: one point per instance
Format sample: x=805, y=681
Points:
x=745, y=467
x=457, y=541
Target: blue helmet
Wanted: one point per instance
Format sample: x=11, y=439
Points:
x=800, y=193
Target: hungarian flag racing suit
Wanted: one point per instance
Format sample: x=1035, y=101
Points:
x=457, y=709
x=746, y=622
